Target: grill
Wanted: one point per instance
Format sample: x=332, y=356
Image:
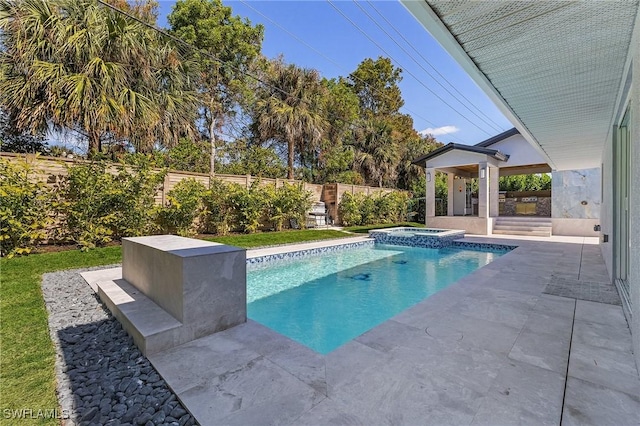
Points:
x=317, y=216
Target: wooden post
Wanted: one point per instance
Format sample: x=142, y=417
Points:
x=165, y=186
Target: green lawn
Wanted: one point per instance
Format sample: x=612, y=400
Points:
x=276, y=238
x=366, y=228
x=27, y=378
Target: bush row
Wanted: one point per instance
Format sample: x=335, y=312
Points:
x=226, y=207
x=362, y=209
x=93, y=205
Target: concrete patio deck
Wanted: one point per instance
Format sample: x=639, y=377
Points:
x=490, y=349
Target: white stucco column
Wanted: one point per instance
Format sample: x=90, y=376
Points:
x=450, y=184
x=483, y=189
x=494, y=186
x=430, y=200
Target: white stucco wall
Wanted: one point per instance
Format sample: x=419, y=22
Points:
x=606, y=207
x=634, y=201
x=459, y=158
x=470, y=224
x=606, y=219
x=520, y=152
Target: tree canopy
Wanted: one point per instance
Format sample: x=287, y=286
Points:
x=78, y=65
x=226, y=48
x=106, y=74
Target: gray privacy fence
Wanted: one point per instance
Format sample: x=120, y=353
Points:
x=48, y=169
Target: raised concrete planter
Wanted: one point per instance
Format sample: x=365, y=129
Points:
x=171, y=290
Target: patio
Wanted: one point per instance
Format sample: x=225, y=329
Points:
x=492, y=348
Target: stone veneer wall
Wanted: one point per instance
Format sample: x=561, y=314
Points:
x=543, y=207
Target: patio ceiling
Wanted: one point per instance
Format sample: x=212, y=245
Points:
x=471, y=170
x=554, y=68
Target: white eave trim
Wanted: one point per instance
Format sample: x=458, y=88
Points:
x=432, y=23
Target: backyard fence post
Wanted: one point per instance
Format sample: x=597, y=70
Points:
x=165, y=188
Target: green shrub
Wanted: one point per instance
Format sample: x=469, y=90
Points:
x=252, y=206
x=368, y=209
x=183, y=206
x=221, y=213
x=349, y=210
x=84, y=204
x=392, y=207
x=289, y=202
x=24, y=206
x=361, y=209
x=95, y=205
x=135, y=203
x=384, y=208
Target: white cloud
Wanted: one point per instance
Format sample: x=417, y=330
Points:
x=439, y=131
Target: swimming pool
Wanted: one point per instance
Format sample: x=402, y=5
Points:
x=325, y=301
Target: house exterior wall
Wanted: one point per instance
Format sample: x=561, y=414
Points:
x=576, y=201
x=606, y=209
x=520, y=152
x=469, y=224
x=608, y=201
x=459, y=158
x=634, y=201
x=575, y=194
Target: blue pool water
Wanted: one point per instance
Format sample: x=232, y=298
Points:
x=325, y=301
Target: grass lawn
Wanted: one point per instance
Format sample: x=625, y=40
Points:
x=27, y=378
x=366, y=228
x=276, y=238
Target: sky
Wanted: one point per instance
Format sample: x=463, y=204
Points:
x=335, y=45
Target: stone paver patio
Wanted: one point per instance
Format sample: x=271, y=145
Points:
x=490, y=349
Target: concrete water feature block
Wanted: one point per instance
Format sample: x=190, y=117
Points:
x=172, y=290
x=197, y=282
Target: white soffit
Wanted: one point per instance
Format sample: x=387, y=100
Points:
x=555, y=66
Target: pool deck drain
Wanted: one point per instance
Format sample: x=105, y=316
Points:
x=503, y=353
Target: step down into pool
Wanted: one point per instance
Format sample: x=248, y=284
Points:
x=522, y=225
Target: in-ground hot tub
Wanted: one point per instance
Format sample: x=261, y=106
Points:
x=416, y=237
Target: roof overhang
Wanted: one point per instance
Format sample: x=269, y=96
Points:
x=554, y=69
x=489, y=153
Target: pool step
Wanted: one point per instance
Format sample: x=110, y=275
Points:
x=531, y=226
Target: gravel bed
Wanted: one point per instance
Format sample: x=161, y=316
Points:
x=102, y=378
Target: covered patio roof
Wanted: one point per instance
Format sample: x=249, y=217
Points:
x=557, y=70
x=463, y=160
x=493, y=153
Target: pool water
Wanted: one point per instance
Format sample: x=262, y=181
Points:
x=325, y=301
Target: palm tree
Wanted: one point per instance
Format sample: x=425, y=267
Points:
x=376, y=155
x=75, y=64
x=289, y=110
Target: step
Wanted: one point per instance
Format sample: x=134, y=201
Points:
x=522, y=228
x=536, y=224
x=520, y=225
x=526, y=220
x=523, y=219
x=527, y=233
x=153, y=329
